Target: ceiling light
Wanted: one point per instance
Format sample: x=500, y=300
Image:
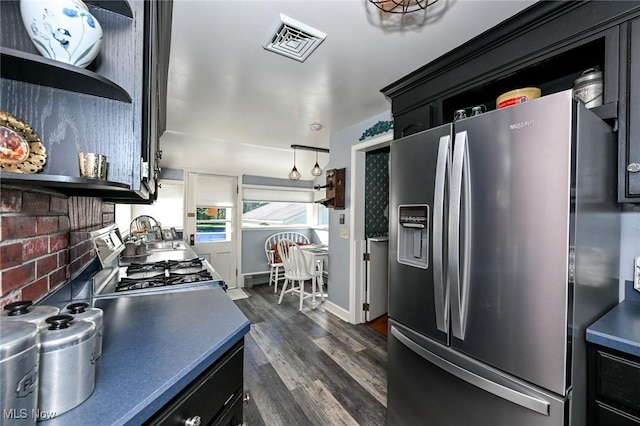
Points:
x=402, y=6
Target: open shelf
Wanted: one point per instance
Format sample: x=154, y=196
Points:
x=36, y=69
x=552, y=75
x=68, y=185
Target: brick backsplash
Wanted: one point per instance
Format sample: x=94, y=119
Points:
x=44, y=239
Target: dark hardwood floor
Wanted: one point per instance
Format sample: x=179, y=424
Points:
x=380, y=324
x=310, y=367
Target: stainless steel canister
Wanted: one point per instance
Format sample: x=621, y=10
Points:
x=67, y=367
x=24, y=311
x=81, y=310
x=588, y=87
x=18, y=372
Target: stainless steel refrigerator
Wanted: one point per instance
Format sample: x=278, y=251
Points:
x=504, y=247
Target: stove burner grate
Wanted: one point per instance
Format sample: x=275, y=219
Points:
x=163, y=265
x=162, y=280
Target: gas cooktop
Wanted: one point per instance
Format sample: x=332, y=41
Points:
x=165, y=270
x=163, y=273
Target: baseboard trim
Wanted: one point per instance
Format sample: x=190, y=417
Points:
x=336, y=310
x=256, y=278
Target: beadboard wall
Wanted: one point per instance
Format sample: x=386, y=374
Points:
x=45, y=240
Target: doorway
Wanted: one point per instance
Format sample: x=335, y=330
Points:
x=358, y=291
x=210, y=221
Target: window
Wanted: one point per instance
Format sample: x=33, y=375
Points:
x=323, y=215
x=272, y=206
x=262, y=213
x=167, y=209
x=212, y=224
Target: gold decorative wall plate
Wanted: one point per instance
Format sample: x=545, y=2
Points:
x=21, y=150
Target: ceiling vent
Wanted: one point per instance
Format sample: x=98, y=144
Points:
x=293, y=39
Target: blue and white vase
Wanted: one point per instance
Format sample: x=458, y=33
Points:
x=62, y=30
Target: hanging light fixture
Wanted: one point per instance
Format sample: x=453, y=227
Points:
x=294, y=174
x=317, y=170
x=404, y=15
x=402, y=6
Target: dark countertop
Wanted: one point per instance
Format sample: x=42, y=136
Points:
x=619, y=328
x=153, y=346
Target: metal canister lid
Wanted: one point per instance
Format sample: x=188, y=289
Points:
x=16, y=337
x=25, y=311
x=81, y=310
x=588, y=76
x=65, y=331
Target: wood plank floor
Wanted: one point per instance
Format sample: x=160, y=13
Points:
x=380, y=324
x=310, y=367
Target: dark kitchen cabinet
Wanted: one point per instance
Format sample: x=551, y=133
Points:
x=614, y=380
x=413, y=121
x=113, y=107
x=548, y=46
x=214, y=398
x=629, y=153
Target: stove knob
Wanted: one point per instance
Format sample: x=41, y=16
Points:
x=193, y=421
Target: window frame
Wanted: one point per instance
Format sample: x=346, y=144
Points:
x=290, y=195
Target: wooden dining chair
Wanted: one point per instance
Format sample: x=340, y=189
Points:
x=276, y=272
x=298, y=269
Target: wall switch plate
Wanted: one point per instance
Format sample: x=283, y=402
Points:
x=344, y=233
x=636, y=273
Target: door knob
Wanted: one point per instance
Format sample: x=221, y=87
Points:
x=633, y=168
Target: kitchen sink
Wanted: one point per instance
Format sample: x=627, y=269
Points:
x=166, y=246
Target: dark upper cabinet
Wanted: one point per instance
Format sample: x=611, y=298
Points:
x=111, y=107
x=413, y=121
x=629, y=136
x=548, y=46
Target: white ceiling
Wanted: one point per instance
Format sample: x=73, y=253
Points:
x=227, y=93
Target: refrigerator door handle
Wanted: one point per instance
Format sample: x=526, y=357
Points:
x=459, y=219
x=535, y=404
x=440, y=289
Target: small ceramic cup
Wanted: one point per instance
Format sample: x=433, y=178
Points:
x=93, y=166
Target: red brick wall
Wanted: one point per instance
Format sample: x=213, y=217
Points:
x=44, y=239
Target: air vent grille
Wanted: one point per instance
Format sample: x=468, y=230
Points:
x=293, y=39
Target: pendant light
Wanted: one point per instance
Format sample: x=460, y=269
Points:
x=294, y=174
x=316, y=171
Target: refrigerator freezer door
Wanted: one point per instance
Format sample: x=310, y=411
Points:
x=418, y=296
x=510, y=296
x=445, y=388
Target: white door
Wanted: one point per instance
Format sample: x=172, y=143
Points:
x=377, y=282
x=211, y=221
